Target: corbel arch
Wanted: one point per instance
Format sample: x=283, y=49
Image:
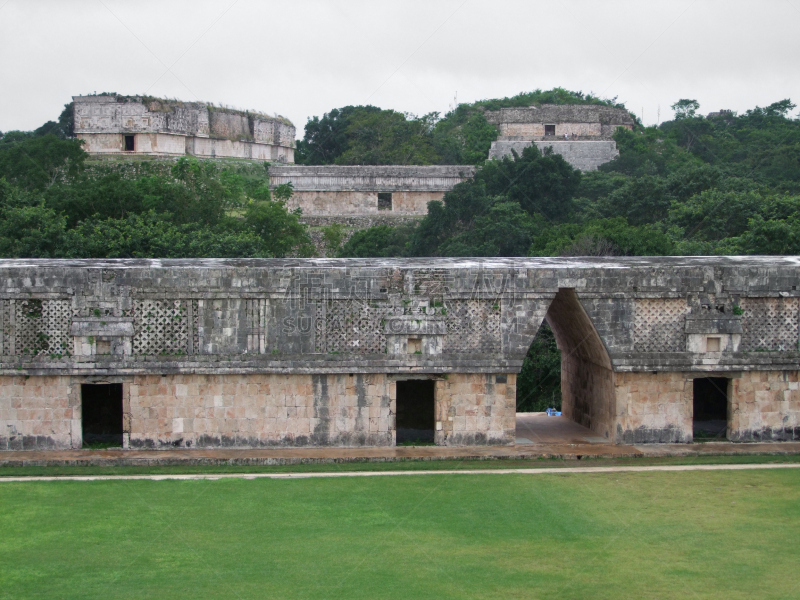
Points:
x=587, y=377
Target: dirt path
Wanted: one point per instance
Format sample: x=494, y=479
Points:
x=540, y=471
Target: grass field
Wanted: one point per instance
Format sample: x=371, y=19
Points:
x=407, y=465
x=719, y=534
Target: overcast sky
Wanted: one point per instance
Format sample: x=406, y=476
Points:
x=302, y=58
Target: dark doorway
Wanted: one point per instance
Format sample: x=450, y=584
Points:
x=549, y=130
x=128, y=143
x=384, y=201
x=415, y=411
x=710, y=406
x=101, y=413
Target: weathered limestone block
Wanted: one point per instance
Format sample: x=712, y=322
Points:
x=476, y=410
x=764, y=405
x=653, y=407
x=37, y=413
x=260, y=410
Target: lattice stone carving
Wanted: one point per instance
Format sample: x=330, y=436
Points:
x=659, y=324
x=351, y=326
x=257, y=317
x=5, y=315
x=769, y=324
x=163, y=326
x=41, y=326
x=473, y=326
x=320, y=344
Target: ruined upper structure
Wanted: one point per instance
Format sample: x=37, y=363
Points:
x=258, y=352
x=553, y=121
x=151, y=126
x=396, y=190
x=581, y=133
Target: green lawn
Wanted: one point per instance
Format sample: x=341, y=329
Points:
x=721, y=534
x=401, y=465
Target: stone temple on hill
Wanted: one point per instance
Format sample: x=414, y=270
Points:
x=356, y=196
x=133, y=125
x=581, y=133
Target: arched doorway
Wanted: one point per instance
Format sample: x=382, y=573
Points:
x=586, y=375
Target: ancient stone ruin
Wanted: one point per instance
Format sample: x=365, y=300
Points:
x=352, y=352
x=133, y=125
x=581, y=133
x=394, y=190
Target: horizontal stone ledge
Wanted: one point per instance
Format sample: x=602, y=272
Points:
x=339, y=370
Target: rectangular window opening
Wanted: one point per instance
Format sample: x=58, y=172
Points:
x=415, y=412
x=384, y=201
x=710, y=407
x=101, y=414
x=128, y=143
x=549, y=129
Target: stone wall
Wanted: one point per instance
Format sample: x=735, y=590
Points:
x=634, y=332
x=39, y=412
x=476, y=409
x=590, y=129
x=172, y=128
x=764, y=405
x=605, y=118
x=586, y=372
x=532, y=131
x=333, y=190
x=584, y=155
x=653, y=407
x=347, y=203
x=262, y=410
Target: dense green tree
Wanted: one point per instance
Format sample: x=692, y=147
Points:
x=280, y=231
x=31, y=231
x=542, y=183
x=367, y=135
x=152, y=235
x=539, y=380
x=718, y=222
x=639, y=200
x=765, y=236
x=685, y=109
x=36, y=163
x=504, y=229
x=326, y=138
x=464, y=136
x=602, y=237
x=378, y=241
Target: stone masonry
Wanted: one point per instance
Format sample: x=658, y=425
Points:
x=581, y=133
x=130, y=125
x=249, y=353
x=346, y=191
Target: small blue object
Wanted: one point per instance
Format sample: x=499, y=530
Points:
x=552, y=412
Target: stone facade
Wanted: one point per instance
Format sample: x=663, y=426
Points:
x=120, y=125
x=584, y=121
x=333, y=190
x=584, y=155
x=308, y=352
x=582, y=134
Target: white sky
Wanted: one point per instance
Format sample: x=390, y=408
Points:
x=302, y=58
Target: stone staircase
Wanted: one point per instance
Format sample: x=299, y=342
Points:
x=584, y=155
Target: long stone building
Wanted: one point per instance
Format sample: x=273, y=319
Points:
x=581, y=133
x=133, y=125
x=351, y=352
x=395, y=190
